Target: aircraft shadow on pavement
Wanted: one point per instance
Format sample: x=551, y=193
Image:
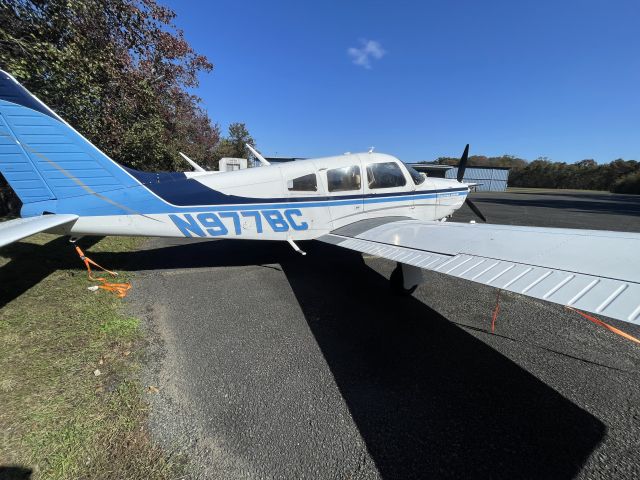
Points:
x=429, y=399
x=31, y=263
x=191, y=253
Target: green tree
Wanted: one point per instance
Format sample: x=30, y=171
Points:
x=234, y=144
x=119, y=71
x=629, y=183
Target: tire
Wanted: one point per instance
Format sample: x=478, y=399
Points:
x=396, y=281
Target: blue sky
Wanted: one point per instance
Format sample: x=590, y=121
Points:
x=529, y=78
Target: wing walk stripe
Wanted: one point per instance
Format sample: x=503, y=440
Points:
x=583, y=292
x=558, y=286
x=611, y=298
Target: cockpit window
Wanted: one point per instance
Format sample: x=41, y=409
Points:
x=385, y=175
x=343, y=179
x=305, y=183
x=416, y=176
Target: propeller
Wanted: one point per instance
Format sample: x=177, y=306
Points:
x=462, y=166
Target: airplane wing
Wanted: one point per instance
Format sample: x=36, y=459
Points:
x=595, y=271
x=13, y=230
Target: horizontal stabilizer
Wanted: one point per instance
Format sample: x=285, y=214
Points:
x=14, y=230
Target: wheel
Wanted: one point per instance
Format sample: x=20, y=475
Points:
x=396, y=281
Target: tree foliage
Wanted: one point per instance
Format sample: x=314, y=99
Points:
x=621, y=176
x=482, y=161
x=117, y=70
x=585, y=175
x=629, y=183
x=234, y=144
x=121, y=73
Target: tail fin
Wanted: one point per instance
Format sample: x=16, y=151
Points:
x=43, y=158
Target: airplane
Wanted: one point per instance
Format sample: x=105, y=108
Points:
x=368, y=202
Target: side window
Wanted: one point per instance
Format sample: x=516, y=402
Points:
x=306, y=183
x=417, y=177
x=343, y=179
x=385, y=175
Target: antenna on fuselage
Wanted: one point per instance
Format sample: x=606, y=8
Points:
x=195, y=166
x=371, y=149
x=257, y=155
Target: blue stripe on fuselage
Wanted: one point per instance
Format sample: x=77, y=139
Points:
x=92, y=206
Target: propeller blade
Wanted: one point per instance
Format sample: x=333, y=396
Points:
x=462, y=165
x=475, y=209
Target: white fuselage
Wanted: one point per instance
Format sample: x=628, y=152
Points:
x=297, y=200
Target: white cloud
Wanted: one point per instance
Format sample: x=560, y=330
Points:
x=369, y=50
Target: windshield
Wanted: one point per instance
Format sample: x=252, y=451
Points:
x=416, y=176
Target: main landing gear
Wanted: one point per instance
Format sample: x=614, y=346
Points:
x=405, y=279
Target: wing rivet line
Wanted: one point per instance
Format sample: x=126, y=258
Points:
x=634, y=315
x=459, y=265
x=500, y=274
x=515, y=279
x=445, y=263
x=471, y=268
x=611, y=298
x=583, y=292
x=484, y=271
x=432, y=262
x=536, y=282
x=558, y=286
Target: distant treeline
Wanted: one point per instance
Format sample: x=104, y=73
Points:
x=619, y=176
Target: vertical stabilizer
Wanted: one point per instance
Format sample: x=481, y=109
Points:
x=45, y=159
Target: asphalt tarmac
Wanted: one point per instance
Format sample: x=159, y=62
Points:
x=274, y=365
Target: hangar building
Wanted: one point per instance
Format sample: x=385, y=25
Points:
x=491, y=179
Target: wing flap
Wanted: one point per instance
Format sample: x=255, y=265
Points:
x=594, y=271
x=14, y=230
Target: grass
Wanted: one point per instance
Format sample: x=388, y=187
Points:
x=57, y=417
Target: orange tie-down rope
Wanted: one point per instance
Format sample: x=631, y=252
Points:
x=120, y=289
x=595, y=320
x=603, y=324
